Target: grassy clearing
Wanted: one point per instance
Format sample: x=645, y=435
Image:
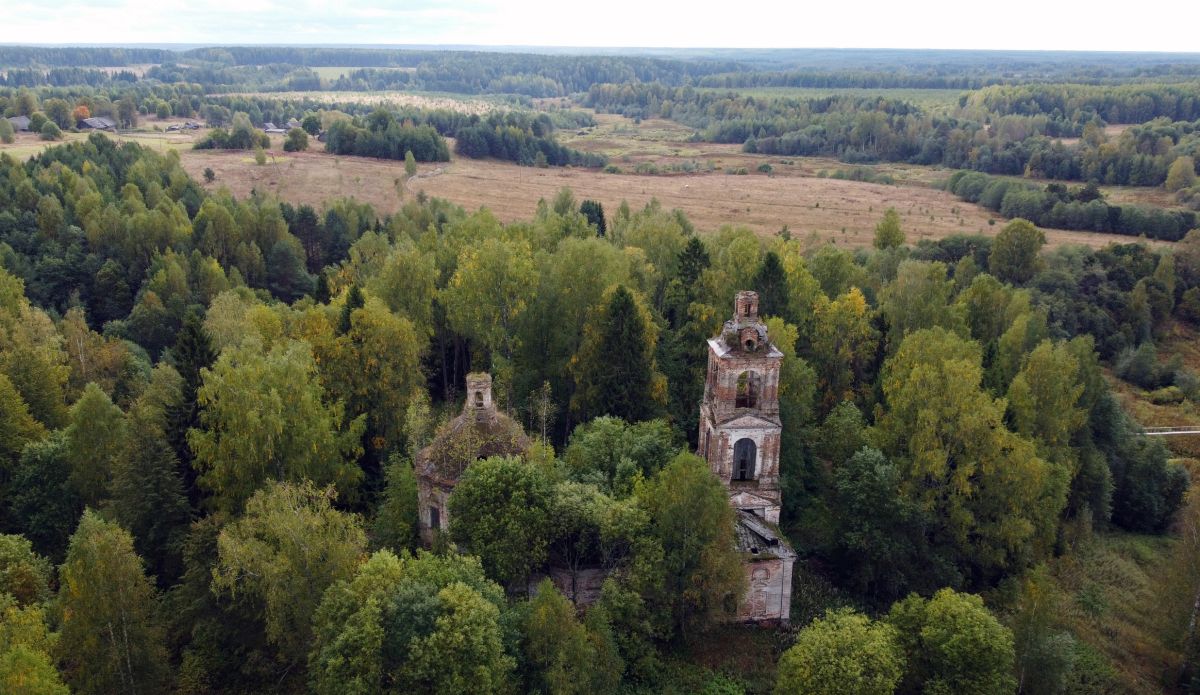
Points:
x=425, y=100
x=329, y=73
x=1125, y=596
x=943, y=98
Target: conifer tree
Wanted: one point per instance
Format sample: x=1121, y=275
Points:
x=693, y=261
x=771, y=284
x=354, y=300
x=193, y=351
x=149, y=498
x=615, y=367
x=594, y=212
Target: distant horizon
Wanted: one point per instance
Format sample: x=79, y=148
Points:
x=190, y=45
x=1021, y=25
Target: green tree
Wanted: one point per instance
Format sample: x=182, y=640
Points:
x=1044, y=405
x=690, y=517
x=920, y=297
x=395, y=523
x=264, y=416
x=6, y=132
x=616, y=454
x=111, y=640
x=127, y=111
x=877, y=537
x=374, y=368
x=58, y=111
x=410, y=164
x=40, y=376
x=26, y=644
x=842, y=346
x=628, y=387
x=17, y=428
x=1015, y=251
x=148, y=496
x=407, y=284
x=771, y=284
x=311, y=124
x=50, y=131
x=296, y=141
x=95, y=442
x=843, y=653
x=290, y=546
x=984, y=487
x=594, y=212
x=500, y=511
x=24, y=575
x=888, y=234
x=489, y=291
x=565, y=656
x=193, y=352
x=287, y=277
x=1181, y=174
x=41, y=501
x=411, y=624
x=953, y=645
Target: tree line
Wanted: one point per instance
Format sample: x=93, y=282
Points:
x=1082, y=207
x=860, y=129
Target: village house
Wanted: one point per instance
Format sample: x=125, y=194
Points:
x=19, y=123
x=96, y=123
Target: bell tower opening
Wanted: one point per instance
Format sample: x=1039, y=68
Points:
x=479, y=396
x=745, y=452
x=747, y=390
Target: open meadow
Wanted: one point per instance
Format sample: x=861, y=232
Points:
x=714, y=184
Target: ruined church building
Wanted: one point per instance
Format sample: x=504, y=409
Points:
x=739, y=438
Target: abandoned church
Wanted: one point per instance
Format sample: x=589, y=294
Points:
x=739, y=438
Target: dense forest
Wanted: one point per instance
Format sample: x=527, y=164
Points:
x=193, y=382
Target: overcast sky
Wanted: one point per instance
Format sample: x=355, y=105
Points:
x=1012, y=24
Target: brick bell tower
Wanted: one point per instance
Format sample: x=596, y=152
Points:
x=739, y=417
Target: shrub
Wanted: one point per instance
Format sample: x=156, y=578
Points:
x=50, y=131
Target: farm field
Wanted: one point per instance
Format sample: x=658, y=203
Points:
x=424, y=100
x=798, y=192
x=844, y=212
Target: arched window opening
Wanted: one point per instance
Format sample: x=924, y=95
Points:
x=750, y=345
x=744, y=454
x=435, y=518
x=747, y=390
x=479, y=399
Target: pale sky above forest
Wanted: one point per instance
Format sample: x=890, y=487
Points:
x=1015, y=24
